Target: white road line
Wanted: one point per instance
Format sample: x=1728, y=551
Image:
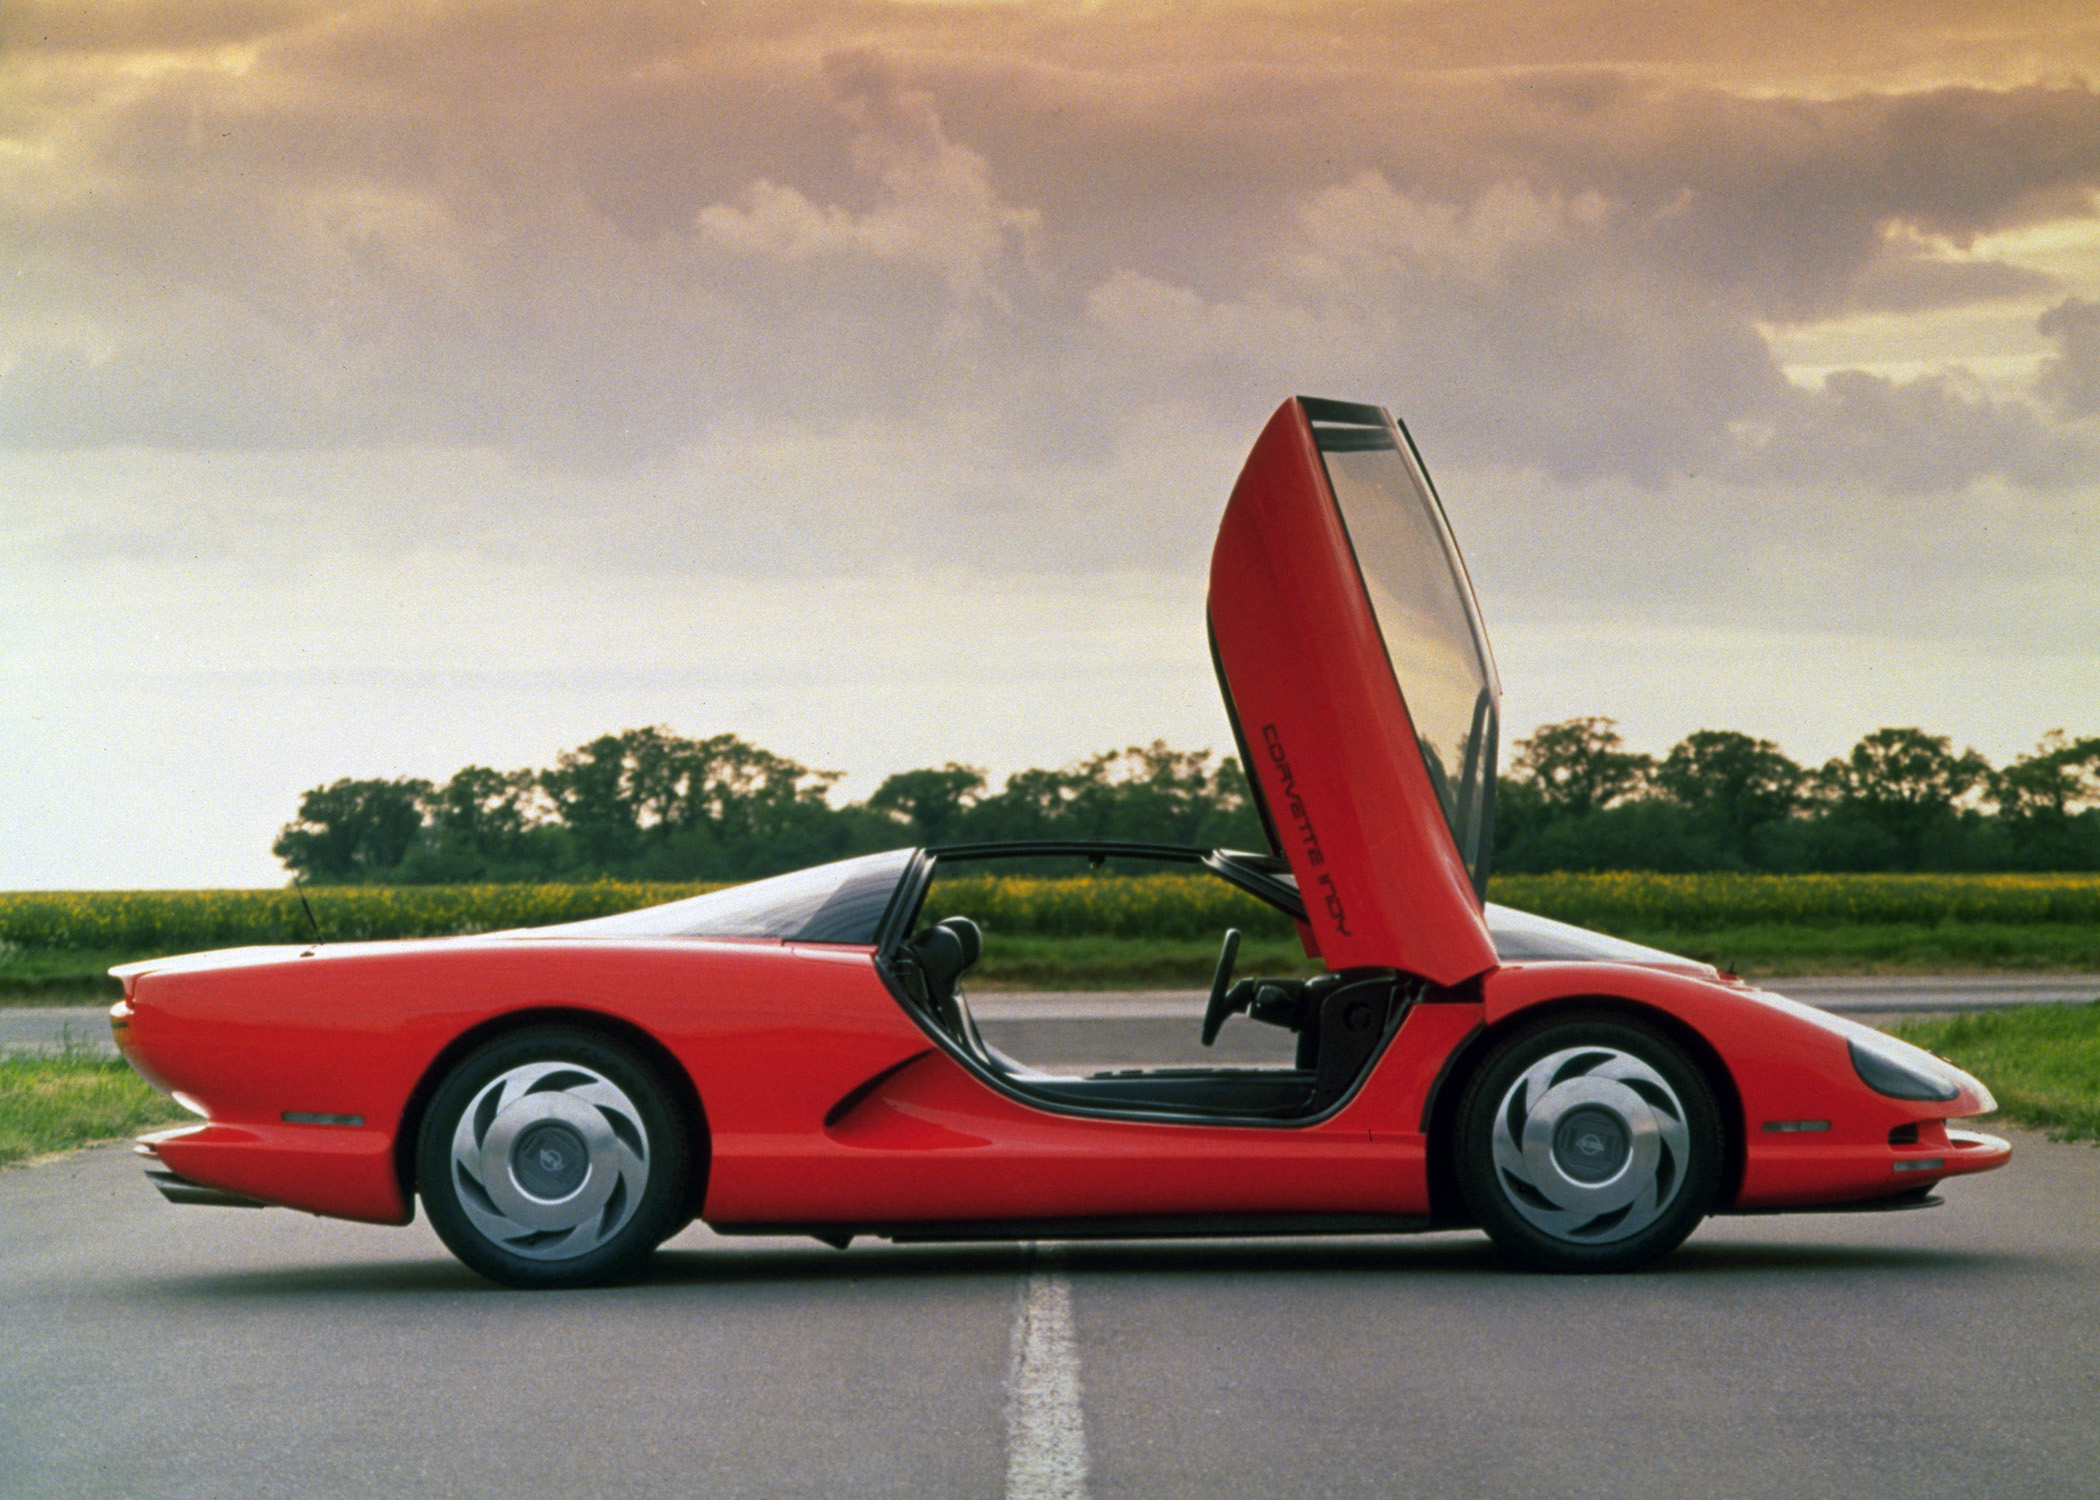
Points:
x=1045, y=1429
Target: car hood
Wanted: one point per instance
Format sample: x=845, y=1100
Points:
x=1357, y=675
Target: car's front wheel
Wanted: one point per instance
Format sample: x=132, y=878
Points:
x=552, y=1157
x=1588, y=1143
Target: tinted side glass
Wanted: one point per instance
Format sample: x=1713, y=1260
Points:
x=1424, y=606
x=834, y=903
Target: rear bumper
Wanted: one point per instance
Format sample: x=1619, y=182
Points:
x=340, y=1173
x=181, y=1190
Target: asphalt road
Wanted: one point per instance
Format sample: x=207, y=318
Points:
x=149, y=1350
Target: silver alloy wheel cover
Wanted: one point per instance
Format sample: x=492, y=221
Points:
x=1624, y=1089
x=553, y=1103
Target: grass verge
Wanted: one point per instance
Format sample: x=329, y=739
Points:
x=55, y=1101
x=44, y=976
x=1109, y=963
x=2042, y=1062
x=1770, y=950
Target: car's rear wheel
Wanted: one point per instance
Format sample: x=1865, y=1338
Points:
x=552, y=1157
x=1588, y=1143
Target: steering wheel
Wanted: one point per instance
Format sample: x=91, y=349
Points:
x=1217, y=1010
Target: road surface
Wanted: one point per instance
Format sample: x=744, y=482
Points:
x=171, y=1352
x=151, y=1350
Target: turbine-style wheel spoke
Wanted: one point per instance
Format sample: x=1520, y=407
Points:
x=550, y=1160
x=1589, y=1144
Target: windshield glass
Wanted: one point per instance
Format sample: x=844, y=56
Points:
x=1521, y=937
x=1424, y=605
x=835, y=903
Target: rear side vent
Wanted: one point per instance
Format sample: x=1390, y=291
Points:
x=1904, y=1135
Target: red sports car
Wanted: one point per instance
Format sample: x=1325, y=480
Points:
x=796, y=1055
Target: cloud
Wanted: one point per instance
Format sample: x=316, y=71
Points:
x=937, y=207
x=1922, y=436
x=2070, y=378
x=596, y=244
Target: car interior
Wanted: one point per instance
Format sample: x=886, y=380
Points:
x=1339, y=1021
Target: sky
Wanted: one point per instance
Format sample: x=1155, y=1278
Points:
x=387, y=388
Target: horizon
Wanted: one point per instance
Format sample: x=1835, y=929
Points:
x=388, y=390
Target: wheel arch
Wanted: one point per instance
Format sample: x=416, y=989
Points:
x=1446, y=1205
x=685, y=1096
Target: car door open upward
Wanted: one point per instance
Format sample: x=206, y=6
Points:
x=1361, y=689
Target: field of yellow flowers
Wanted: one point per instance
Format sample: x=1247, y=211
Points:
x=150, y=923
x=1704, y=903
x=55, y=943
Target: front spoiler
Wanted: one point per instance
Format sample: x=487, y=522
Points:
x=1923, y=1197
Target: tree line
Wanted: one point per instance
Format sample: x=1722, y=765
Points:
x=648, y=804
x=1576, y=798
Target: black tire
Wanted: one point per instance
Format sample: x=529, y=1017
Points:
x=1588, y=1142
x=553, y=1157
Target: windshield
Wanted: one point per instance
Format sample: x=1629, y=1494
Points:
x=1522, y=937
x=835, y=903
x=1426, y=614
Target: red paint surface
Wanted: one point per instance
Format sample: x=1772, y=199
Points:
x=826, y=1103
x=1326, y=730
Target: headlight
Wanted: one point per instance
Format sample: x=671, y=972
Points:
x=1900, y=1070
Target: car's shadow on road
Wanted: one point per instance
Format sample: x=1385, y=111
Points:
x=725, y=1263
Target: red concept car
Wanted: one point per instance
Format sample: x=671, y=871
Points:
x=796, y=1055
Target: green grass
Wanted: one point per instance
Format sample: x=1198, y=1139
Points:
x=1039, y=963
x=186, y=921
x=55, y=1101
x=1630, y=902
x=1121, y=931
x=1766, y=950
x=41, y=976
x=2042, y=1062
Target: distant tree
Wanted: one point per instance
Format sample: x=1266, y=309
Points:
x=1154, y=794
x=2061, y=778
x=1033, y=804
x=2048, y=804
x=931, y=802
x=353, y=830
x=1142, y=794
x=647, y=803
x=593, y=792
x=758, y=811
x=1580, y=766
x=1733, y=784
x=1905, y=784
x=484, y=824
x=651, y=802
